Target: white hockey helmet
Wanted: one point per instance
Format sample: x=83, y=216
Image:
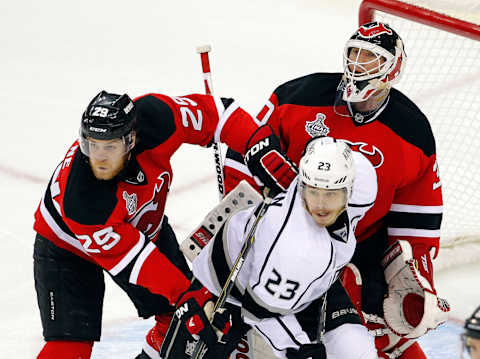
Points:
x=328, y=164
x=362, y=79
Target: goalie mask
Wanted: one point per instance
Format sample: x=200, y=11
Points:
x=373, y=60
x=326, y=175
x=471, y=337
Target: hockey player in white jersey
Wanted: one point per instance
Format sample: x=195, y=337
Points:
x=289, y=281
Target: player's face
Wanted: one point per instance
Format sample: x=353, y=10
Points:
x=364, y=62
x=325, y=205
x=473, y=345
x=107, y=157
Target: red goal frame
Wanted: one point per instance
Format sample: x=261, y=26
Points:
x=418, y=14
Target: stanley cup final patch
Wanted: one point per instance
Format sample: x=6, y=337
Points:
x=317, y=127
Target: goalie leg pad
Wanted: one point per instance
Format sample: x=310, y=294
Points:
x=242, y=196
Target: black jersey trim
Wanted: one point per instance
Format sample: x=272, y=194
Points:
x=234, y=156
x=414, y=220
x=278, y=237
x=309, y=317
x=48, y=201
x=405, y=119
x=357, y=205
x=155, y=122
x=318, y=89
x=220, y=264
x=267, y=337
x=289, y=333
x=249, y=303
x=319, y=277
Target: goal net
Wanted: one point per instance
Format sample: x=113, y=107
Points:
x=442, y=76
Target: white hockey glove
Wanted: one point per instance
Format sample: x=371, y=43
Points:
x=411, y=307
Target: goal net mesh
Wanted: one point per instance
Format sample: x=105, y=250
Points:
x=442, y=76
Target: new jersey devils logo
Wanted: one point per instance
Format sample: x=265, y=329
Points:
x=375, y=29
x=148, y=219
x=374, y=155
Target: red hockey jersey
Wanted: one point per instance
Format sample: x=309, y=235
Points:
x=116, y=223
x=398, y=141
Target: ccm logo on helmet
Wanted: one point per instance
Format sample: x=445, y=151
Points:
x=369, y=31
x=96, y=129
x=257, y=148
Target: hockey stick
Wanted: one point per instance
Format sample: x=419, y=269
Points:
x=207, y=81
x=237, y=266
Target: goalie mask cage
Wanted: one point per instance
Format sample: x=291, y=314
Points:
x=442, y=76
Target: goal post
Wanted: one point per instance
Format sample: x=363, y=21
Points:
x=442, y=76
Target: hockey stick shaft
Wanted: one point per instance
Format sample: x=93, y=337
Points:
x=207, y=81
x=237, y=266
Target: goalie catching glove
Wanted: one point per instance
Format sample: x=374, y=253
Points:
x=269, y=166
x=191, y=323
x=411, y=307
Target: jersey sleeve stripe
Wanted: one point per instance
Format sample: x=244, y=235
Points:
x=361, y=204
x=56, y=228
x=223, y=118
x=240, y=167
x=137, y=267
x=221, y=269
x=413, y=232
x=414, y=220
x=289, y=333
x=252, y=303
x=219, y=105
x=416, y=209
x=129, y=256
x=267, y=338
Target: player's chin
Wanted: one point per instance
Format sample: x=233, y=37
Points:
x=103, y=173
x=323, y=219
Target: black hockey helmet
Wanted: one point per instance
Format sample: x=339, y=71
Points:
x=384, y=69
x=472, y=325
x=108, y=116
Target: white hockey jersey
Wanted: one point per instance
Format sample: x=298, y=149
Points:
x=292, y=261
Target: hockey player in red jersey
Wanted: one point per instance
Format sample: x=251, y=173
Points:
x=361, y=107
x=103, y=209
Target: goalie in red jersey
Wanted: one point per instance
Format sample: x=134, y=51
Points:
x=399, y=236
x=103, y=210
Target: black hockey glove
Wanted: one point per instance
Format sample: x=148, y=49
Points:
x=314, y=351
x=266, y=161
x=190, y=323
